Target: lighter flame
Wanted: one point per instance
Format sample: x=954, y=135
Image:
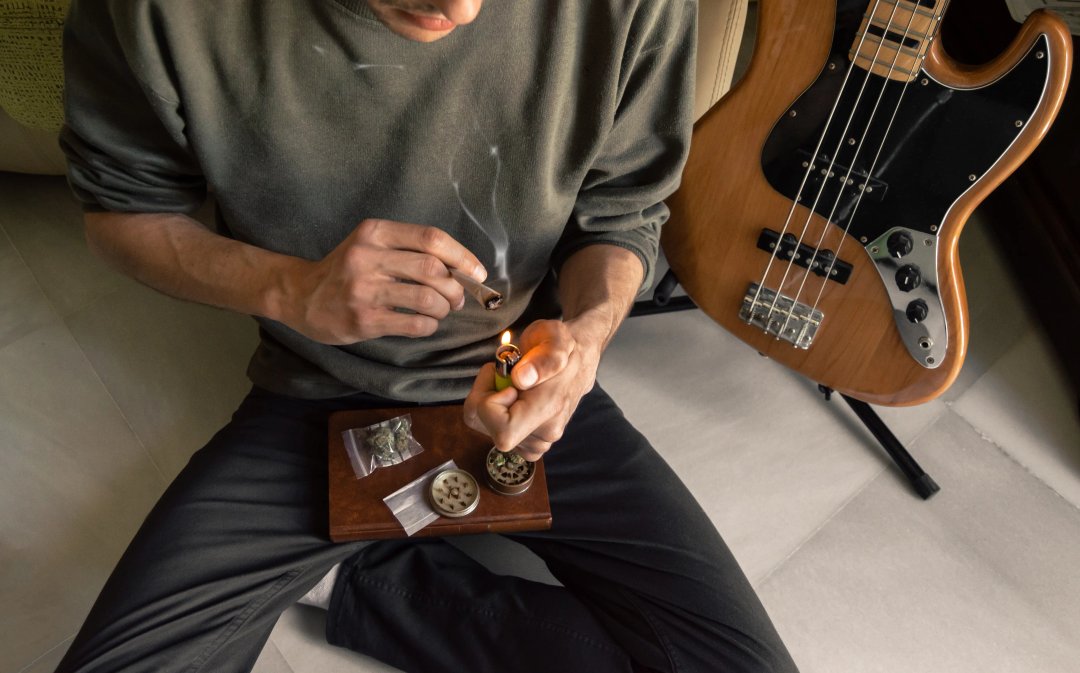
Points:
x=506, y=337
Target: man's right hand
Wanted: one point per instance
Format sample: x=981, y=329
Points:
x=354, y=293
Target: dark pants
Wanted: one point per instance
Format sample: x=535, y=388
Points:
x=241, y=534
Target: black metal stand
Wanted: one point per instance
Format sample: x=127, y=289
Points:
x=663, y=302
x=920, y=480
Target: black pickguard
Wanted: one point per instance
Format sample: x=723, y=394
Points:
x=941, y=140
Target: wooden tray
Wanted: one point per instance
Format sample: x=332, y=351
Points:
x=357, y=510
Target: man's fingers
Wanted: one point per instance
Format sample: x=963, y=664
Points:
x=548, y=345
x=493, y=410
x=419, y=298
x=541, y=363
x=484, y=381
x=430, y=240
x=482, y=386
x=423, y=269
x=487, y=411
x=393, y=323
x=532, y=448
x=527, y=415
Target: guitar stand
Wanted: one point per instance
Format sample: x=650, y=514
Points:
x=920, y=480
x=924, y=485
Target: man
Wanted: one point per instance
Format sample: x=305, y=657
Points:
x=359, y=150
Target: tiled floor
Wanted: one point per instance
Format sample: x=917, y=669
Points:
x=106, y=388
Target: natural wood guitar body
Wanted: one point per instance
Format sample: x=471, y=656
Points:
x=725, y=202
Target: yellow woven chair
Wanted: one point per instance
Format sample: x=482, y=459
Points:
x=31, y=85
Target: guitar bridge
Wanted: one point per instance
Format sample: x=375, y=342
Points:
x=780, y=316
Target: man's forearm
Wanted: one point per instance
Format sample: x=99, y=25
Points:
x=597, y=287
x=176, y=255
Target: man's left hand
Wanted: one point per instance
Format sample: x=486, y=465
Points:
x=557, y=369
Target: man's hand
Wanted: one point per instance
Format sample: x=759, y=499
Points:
x=350, y=295
x=597, y=285
x=557, y=369
x=354, y=292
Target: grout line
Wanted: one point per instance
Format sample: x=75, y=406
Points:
x=947, y=409
x=270, y=643
x=64, y=320
x=1005, y=452
x=116, y=403
x=29, y=269
x=802, y=543
x=281, y=655
x=46, y=653
x=1035, y=331
x=888, y=466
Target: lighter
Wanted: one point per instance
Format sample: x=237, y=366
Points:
x=506, y=357
x=507, y=473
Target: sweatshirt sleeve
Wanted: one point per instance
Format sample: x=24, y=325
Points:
x=641, y=160
x=124, y=127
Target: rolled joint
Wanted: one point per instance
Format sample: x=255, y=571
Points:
x=490, y=299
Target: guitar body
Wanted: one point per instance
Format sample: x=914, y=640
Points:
x=821, y=205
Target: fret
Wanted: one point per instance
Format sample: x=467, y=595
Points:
x=888, y=48
x=904, y=69
x=898, y=22
x=895, y=30
x=905, y=8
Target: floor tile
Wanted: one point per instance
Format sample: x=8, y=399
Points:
x=45, y=224
x=980, y=578
x=997, y=311
x=23, y=306
x=74, y=486
x=271, y=661
x=300, y=637
x=755, y=442
x=1026, y=406
x=175, y=368
x=48, y=661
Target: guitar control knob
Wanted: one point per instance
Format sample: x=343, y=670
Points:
x=917, y=311
x=908, y=277
x=900, y=244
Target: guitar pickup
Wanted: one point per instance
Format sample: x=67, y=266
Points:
x=788, y=248
x=839, y=176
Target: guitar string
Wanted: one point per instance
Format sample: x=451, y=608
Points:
x=935, y=29
x=827, y=172
x=802, y=186
x=846, y=180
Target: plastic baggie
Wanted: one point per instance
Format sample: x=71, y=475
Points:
x=381, y=445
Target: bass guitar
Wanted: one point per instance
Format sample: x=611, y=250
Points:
x=823, y=200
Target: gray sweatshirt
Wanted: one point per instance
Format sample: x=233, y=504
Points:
x=542, y=127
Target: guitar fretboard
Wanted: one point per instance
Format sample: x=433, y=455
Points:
x=895, y=36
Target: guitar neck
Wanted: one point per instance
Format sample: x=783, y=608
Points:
x=895, y=36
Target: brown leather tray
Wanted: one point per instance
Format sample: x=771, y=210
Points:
x=357, y=510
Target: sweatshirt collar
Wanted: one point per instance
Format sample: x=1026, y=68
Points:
x=358, y=7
